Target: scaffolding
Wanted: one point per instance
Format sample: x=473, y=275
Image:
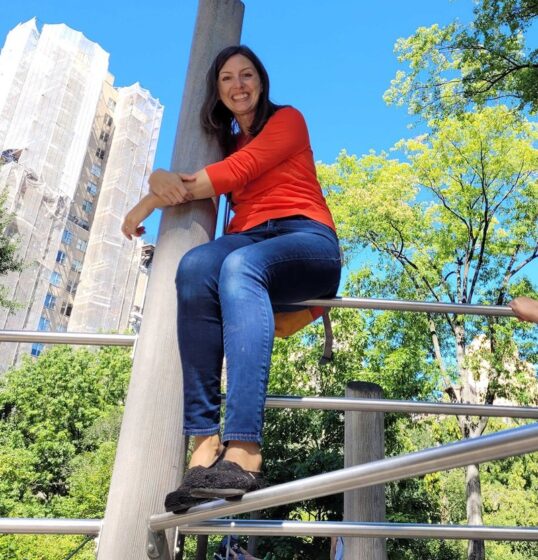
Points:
x=50, y=83
x=111, y=267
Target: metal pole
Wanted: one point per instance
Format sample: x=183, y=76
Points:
x=68, y=338
x=363, y=530
x=412, y=407
x=407, y=305
x=50, y=526
x=502, y=444
x=150, y=457
x=364, y=442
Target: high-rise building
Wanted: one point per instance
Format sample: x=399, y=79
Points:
x=75, y=155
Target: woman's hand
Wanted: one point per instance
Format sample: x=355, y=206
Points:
x=131, y=223
x=169, y=187
x=525, y=308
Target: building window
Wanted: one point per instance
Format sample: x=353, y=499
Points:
x=67, y=237
x=71, y=287
x=50, y=301
x=76, y=265
x=87, y=206
x=81, y=222
x=37, y=348
x=111, y=104
x=60, y=257
x=91, y=188
x=55, y=278
x=104, y=136
x=100, y=153
x=44, y=324
x=96, y=170
x=66, y=309
x=82, y=245
x=108, y=120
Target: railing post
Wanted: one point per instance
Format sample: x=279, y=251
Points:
x=150, y=457
x=364, y=441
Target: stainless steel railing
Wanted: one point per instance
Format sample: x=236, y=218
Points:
x=479, y=450
x=198, y=520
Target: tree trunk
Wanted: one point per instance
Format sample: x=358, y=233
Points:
x=470, y=428
x=475, y=549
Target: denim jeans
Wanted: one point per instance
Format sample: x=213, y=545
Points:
x=227, y=292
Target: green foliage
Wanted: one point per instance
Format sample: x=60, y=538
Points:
x=9, y=261
x=454, y=67
x=59, y=422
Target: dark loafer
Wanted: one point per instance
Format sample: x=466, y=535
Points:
x=182, y=499
x=227, y=479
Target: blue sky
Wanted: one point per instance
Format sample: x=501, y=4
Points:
x=332, y=60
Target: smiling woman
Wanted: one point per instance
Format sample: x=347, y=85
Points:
x=239, y=87
x=279, y=248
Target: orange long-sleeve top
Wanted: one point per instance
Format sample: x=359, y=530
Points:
x=273, y=175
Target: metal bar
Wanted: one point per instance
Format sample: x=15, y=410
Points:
x=350, y=529
x=68, y=338
x=50, y=526
x=407, y=305
x=381, y=405
x=480, y=450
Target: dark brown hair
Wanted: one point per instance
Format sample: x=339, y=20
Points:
x=216, y=118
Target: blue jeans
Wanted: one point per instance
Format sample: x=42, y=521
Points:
x=227, y=292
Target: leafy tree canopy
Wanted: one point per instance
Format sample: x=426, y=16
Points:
x=450, y=68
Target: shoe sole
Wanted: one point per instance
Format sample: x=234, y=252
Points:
x=217, y=492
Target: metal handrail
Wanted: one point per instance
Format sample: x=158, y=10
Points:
x=413, y=407
x=348, y=302
x=479, y=450
x=18, y=525
x=409, y=305
x=354, y=477
x=68, y=338
x=354, y=529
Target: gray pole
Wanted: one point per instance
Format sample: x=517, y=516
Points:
x=364, y=442
x=150, y=456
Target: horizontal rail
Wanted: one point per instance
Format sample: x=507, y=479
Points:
x=351, y=529
x=349, y=302
x=407, y=305
x=17, y=525
x=68, y=338
x=479, y=450
x=381, y=405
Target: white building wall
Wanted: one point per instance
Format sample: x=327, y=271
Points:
x=107, y=284
x=47, y=109
x=15, y=59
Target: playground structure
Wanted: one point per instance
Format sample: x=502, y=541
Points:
x=151, y=451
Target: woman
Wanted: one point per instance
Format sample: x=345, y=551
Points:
x=280, y=248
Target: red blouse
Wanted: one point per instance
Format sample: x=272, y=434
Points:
x=273, y=175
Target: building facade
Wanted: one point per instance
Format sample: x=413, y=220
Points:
x=76, y=153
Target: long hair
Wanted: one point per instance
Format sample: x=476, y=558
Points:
x=216, y=118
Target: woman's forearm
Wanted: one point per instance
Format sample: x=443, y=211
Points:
x=198, y=184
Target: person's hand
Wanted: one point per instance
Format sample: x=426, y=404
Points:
x=169, y=187
x=525, y=308
x=131, y=223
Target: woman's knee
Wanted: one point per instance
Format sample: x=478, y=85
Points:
x=237, y=269
x=195, y=271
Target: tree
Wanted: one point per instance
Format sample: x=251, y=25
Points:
x=454, y=66
x=59, y=422
x=9, y=262
x=460, y=220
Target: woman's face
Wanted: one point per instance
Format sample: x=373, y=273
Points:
x=239, y=88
